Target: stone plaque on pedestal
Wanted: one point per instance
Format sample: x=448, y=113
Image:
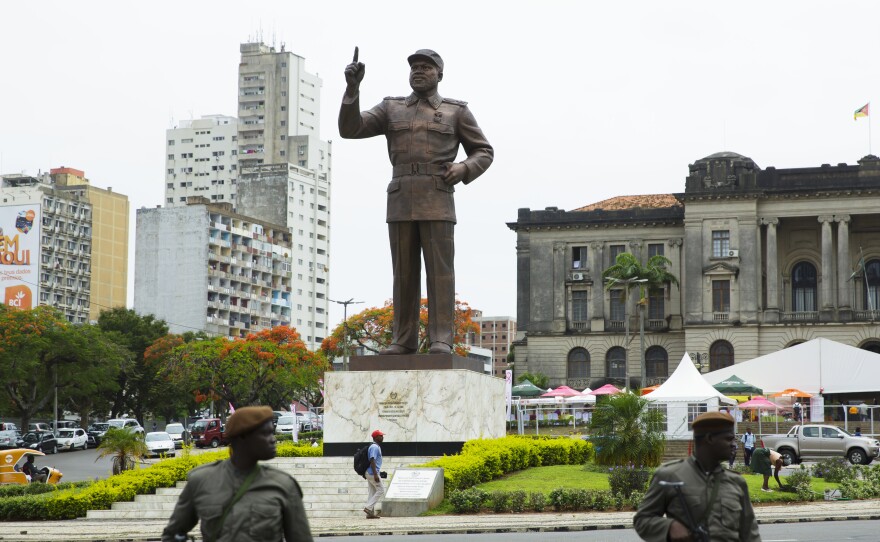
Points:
x=413, y=491
x=421, y=412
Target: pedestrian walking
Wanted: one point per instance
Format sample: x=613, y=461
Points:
x=375, y=486
x=748, y=440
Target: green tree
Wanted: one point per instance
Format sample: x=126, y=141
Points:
x=627, y=274
x=270, y=367
x=41, y=352
x=626, y=431
x=538, y=379
x=136, y=333
x=371, y=329
x=126, y=447
x=169, y=397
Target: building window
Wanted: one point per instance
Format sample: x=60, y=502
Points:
x=872, y=285
x=579, y=302
x=720, y=355
x=614, y=251
x=720, y=243
x=656, y=308
x=170, y=142
x=617, y=305
x=615, y=363
x=578, y=363
x=655, y=249
x=578, y=257
x=720, y=296
x=694, y=410
x=803, y=287
x=656, y=362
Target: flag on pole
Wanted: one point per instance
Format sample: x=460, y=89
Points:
x=231, y=409
x=295, y=424
x=862, y=111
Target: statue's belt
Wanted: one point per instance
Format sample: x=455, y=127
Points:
x=401, y=170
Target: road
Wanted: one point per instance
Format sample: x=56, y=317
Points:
x=77, y=466
x=784, y=532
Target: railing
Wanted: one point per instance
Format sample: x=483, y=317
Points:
x=721, y=317
x=580, y=326
x=616, y=325
x=801, y=316
x=657, y=324
x=866, y=316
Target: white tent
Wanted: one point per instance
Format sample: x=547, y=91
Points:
x=683, y=388
x=817, y=366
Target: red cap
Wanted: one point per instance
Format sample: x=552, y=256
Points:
x=377, y=433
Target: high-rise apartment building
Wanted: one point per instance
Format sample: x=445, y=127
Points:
x=495, y=333
x=228, y=275
x=84, y=243
x=201, y=160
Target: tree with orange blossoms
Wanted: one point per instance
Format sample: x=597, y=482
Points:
x=271, y=367
x=372, y=330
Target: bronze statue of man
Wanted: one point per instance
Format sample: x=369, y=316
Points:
x=424, y=131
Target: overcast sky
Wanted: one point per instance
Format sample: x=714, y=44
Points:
x=582, y=100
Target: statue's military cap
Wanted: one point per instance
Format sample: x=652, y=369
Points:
x=428, y=55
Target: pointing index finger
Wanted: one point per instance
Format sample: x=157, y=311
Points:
x=355, y=59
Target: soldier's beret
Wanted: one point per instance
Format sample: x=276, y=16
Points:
x=246, y=419
x=710, y=422
x=426, y=54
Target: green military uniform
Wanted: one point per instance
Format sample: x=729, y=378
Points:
x=730, y=519
x=271, y=507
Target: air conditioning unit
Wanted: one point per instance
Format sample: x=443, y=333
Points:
x=733, y=253
x=577, y=276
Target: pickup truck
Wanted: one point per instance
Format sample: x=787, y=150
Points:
x=821, y=441
x=208, y=432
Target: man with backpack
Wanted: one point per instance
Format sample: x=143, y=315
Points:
x=375, y=487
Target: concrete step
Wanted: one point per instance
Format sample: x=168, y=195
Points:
x=331, y=489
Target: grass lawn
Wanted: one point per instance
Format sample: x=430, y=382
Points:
x=546, y=479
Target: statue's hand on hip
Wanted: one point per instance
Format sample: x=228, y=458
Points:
x=455, y=173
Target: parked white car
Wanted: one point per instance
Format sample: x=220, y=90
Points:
x=178, y=434
x=158, y=443
x=71, y=439
x=286, y=424
x=126, y=423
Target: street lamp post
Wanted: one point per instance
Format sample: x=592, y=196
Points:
x=345, y=305
x=626, y=287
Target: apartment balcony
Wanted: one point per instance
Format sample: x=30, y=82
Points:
x=801, y=316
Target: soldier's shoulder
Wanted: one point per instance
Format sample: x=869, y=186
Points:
x=206, y=471
x=394, y=98
x=675, y=464
x=453, y=101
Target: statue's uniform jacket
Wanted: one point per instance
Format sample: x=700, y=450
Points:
x=422, y=135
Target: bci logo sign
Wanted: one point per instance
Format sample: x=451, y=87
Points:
x=19, y=297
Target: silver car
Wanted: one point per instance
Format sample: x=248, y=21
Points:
x=159, y=443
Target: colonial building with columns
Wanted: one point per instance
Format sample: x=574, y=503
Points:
x=766, y=259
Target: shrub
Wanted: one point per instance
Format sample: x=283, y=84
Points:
x=864, y=483
x=537, y=501
x=482, y=460
x=468, y=500
x=518, y=501
x=500, y=501
x=624, y=480
x=800, y=481
x=834, y=469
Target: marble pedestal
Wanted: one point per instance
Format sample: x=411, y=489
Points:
x=421, y=412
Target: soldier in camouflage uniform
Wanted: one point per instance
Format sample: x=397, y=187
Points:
x=717, y=498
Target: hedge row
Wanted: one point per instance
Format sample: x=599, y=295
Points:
x=474, y=501
x=486, y=459
x=75, y=501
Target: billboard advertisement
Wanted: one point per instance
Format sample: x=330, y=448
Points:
x=20, y=228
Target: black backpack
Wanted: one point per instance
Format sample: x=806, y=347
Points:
x=362, y=460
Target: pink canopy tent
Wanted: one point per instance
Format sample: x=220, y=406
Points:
x=607, y=389
x=562, y=391
x=760, y=403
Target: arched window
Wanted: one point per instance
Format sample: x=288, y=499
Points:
x=615, y=363
x=720, y=355
x=656, y=362
x=872, y=346
x=803, y=287
x=578, y=363
x=872, y=285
